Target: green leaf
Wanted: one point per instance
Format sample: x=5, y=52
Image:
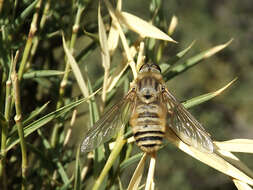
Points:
x=166, y=66
x=30, y=118
x=203, y=98
x=14, y=139
x=177, y=69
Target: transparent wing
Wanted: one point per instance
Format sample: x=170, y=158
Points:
x=109, y=124
x=186, y=127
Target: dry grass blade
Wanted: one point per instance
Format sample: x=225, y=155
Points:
x=237, y=145
x=212, y=159
x=76, y=70
x=136, y=178
x=241, y=185
x=69, y=131
x=116, y=76
x=104, y=52
x=143, y=28
x=173, y=25
x=113, y=37
x=232, y=159
x=150, y=179
x=122, y=37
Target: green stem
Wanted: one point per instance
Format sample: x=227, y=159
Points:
x=5, y=126
x=113, y=156
x=18, y=120
x=28, y=45
x=41, y=26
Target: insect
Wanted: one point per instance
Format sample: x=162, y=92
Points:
x=151, y=110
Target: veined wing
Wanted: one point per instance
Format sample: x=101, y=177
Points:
x=186, y=127
x=109, y=124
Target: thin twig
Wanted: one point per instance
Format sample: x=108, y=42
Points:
x=120, y=141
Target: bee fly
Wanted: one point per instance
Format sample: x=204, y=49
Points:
x=151, y=110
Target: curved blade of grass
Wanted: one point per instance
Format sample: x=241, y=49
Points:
x=165, y=67
x=212, y=159
x=142, y=27
x=177, y=69
x=181, y=54
x=130, y=161
x=76, y=70
x=136, y=178
x=14, y=139
x=236, y=145
x=32, y=115
x=42, y=73
x=203, y=98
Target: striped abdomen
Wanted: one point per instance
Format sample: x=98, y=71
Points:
x=148, y=125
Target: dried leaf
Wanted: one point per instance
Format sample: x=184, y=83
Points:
x=113, y=37
x=150, y=179
x=241, y=185
x=212, y=159
x=173, y=25
x=236, y=145
x=80, y=81
x=143, y=28
x=136, y=178
x=104, y=53
x=122, y=37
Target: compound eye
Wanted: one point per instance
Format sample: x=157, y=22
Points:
x=150, y=68
x=156, y=68
x=144, y=68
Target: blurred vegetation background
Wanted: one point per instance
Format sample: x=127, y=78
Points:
x=208, y=22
